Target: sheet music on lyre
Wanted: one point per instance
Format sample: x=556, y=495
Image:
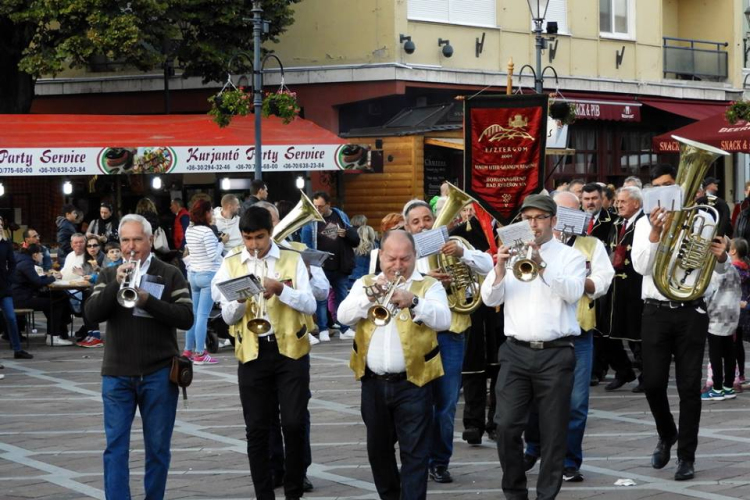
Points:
x=669, y=197
x=243, y=287
x=516, y=234
x=571, y=221
x=430, y=242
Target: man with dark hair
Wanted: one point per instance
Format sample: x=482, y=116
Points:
x=31, y=237
x=576, y=187
x=337, y=236
x=181, y=223
x=65, y=229
x=258, y=192
x=275, y=365
x=711, y=197
x=672, y=328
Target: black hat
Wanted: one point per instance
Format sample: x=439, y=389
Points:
x=540, y=201
x=710, y=180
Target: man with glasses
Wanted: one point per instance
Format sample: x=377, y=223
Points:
x=537, y=362
x=31, y=237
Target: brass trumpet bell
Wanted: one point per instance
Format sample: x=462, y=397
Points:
x=525, y=270
x=379, y=315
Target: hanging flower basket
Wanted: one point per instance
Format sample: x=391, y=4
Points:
x=737, y=111
x=282, y=103
x=562, y=111
x=229, y=103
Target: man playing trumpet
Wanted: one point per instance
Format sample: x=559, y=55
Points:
x=396, y=363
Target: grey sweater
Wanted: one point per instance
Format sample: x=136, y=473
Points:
x=139, y=346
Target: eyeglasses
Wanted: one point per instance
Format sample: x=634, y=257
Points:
x=536, y=218
x=92, y=246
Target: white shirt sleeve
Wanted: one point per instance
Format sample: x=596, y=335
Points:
x=602, y=271
x=319, y=283
x=480, y=262
x=567, y=278
x=355, y=306
x=300, y=299
x=493, y=295
x=643, y=252
x=433, y=310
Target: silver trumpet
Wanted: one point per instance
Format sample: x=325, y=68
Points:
x=382, y=311
x=258, y=324
x=127, y=295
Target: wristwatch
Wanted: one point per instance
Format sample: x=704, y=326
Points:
x=414, y=302
x=542, y=265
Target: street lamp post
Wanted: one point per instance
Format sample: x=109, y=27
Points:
x=538, y=10
x=257, y=86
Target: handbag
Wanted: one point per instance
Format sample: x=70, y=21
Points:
x=181, y=374
x=161, y=244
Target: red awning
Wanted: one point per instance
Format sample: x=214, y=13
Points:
x=607, y=110
x=122, y=144
x=714, y=131
x=695, y=111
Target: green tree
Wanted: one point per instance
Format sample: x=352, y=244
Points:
x=42, y=37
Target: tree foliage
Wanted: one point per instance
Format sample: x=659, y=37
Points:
x=43, y=37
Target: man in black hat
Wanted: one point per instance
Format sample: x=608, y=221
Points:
x=711, y=198
x=537, y=361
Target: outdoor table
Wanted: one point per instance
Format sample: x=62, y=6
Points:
x=67, y=286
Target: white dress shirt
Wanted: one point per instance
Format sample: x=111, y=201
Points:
x=300, y=299
x=318, y=280
x=601, y=272
x=543, y=309
x=72, y=260
x=385, y=354
x=643, y=255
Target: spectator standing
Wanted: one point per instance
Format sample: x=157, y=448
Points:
x=65, y=229
x=31, y=236
x=105, y=227
x=181, y=223
x=738, y=252
x=227, y=221
x=205, y=259
x=7, y=268
x=336, y=235
x=711, y=189
x=258, y=192
x=147, y=209
x=137, y=360
x=363, y=253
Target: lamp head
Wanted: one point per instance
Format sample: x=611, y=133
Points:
x=538, y=9
x=447, y=47
x=409, y=46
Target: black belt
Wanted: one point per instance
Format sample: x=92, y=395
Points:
x=672, y=304
x=267, y=338
x=388, y=377
x=538, y=345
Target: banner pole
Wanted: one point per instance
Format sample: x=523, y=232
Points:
x=509, y=85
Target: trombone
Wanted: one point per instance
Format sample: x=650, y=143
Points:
x=258, y=324
x=127, y=295
x=382, y=311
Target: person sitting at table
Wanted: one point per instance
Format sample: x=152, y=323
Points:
x=89, y=271
x=113, y=254
x=75, y=258
x=93, y=260
x=29, y=292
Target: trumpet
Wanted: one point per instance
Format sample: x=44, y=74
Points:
x=382, y=312
x=258, y=324
x=127, y=295
x=524, y=268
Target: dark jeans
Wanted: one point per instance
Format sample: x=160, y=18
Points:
x=264, y=381
x=397, y=411
x=445, y=391
x=6, y=304
x=545, y=377
x=680, y=333
x=721, y=355
x=339, y=283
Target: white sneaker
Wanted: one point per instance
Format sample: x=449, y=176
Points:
x=225, y=343
x=313, y=339
x=348, y=335
x=325, y=336
x=58, y=342
x=2, y=376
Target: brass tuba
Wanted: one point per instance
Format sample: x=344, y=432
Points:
x=463, y=295
x=302, y=213
x=684, y=251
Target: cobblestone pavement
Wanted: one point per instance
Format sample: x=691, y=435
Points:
x=51, y=438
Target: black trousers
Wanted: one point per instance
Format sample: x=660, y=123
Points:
x=613, y=351
x=477, y=414
x=276, y=445
x=56, y=310
x=721, y=355
x=680, y=333
x=545, y=377
x=264, y=381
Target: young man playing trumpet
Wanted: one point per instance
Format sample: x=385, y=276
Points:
x=396, y=363
x=418, y=217
x=274, y=365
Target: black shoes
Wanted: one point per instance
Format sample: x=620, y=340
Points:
x=472, y=435
x=638, y=389
x=661, y=455
x=307, y=486
x=594, y=381
x=572, y=475
x=22, y=355
x=529, y=461
x=440, y=474
x=278, y=482
x=685, y=471
x=619, y=382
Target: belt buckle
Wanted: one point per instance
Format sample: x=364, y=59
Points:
x=535, y=344
x=674, y=305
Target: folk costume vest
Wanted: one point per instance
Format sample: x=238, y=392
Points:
x=419, y=342
x=586, y=313
x=289, y=325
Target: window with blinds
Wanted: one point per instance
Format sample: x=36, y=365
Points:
x=557, y=11
x=616, y=18
x=471, y=12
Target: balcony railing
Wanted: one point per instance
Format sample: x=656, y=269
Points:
x=695, y=59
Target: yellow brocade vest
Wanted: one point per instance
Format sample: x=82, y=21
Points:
x=586, y=313
x=419, y=342
x=289, y=325
x=309, y=319
x=459, y=322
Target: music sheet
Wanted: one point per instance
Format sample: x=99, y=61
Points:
x=240, y=288
x=516, y=234
x=669, y=197
x=572, y=221
x=430, y=242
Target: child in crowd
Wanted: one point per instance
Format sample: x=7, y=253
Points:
x=114, y=255
x=738, y=252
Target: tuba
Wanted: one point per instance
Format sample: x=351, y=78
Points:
x=463, y=295
x=382, y=312
x=302, y=213
x=127, y=295
x=684, y=251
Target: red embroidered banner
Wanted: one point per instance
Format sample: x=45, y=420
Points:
x=504, y=156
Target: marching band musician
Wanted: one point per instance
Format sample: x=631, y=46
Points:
x=598, y=279
x=671, y=328
x=396, y=363
x=537, y=361
x=418, y=217
x=274, y=366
